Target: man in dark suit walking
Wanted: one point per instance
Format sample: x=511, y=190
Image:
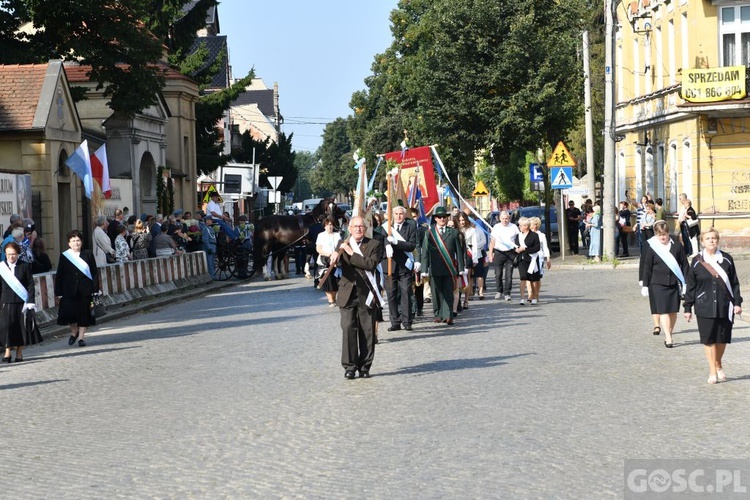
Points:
x=358, y=298
x=399, y=249
x=442, y=260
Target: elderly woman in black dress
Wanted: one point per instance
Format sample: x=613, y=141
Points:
x=714, y=291
x=76, y=281
x=663, y=270
x=16, y=297
x=527, y=247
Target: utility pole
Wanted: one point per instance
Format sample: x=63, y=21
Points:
x=608, y=190
x=590, y=167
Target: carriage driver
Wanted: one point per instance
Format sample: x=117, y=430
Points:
x=215, y=210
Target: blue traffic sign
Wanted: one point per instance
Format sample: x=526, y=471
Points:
x=561, y=177
x=535, y=172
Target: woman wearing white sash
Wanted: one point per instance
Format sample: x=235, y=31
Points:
x=543, y=259
x=662, y=271
x=714, y=291
x=16, y=291
x=76, y=281
x=528, y=246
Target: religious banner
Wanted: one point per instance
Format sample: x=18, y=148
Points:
x=416, y=167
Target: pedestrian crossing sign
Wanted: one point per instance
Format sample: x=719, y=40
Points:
x=561, y=157
x=561, y=177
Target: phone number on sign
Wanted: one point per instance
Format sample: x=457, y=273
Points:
x=712, y=92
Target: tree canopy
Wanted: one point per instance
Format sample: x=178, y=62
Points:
x=475, y=77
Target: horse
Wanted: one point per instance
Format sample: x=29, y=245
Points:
x=276, y=234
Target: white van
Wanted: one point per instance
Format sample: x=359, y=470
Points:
x=308, y=205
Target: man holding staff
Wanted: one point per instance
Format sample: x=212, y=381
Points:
x=358, y=298
x=400, y=247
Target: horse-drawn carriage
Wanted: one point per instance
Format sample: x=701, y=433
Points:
x=233, y=258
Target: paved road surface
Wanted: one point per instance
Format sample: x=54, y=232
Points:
x=241, y=395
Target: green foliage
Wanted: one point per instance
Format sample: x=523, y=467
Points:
x=305, y=163
x=336, y=173
x=108, y=36
x=274, y=159
x=472, y=75
x=164, y=192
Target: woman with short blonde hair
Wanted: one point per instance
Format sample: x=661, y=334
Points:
x=712, y=274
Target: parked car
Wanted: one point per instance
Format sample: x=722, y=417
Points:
x=535, y=211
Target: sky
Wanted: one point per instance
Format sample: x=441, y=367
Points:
x=319, y=52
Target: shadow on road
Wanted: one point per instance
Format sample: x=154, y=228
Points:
x=28, y=384
x=454, y=364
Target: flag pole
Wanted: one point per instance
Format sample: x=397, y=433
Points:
x=389, y=212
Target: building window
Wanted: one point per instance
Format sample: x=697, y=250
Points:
x=734, y=26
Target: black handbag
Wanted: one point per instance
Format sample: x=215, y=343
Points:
x=98, y=309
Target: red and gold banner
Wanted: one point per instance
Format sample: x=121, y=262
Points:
x=416, y=165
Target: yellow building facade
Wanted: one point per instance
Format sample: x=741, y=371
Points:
x=670, y=138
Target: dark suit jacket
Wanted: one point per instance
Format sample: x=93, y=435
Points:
x=432, y=261
x=70, y=282
x=402, y=248
x=353, y=270
x=655, y=271
x=708, y=295
x=23, y=273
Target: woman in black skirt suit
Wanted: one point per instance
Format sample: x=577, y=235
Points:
x=528, y=245
x=714, y=290
x=13, y=331
x=74, y=286
x=659, y=280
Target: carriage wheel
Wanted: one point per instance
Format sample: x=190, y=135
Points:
x=243, y=263
x=223, y=268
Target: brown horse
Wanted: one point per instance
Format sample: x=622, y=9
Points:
x=276, y=234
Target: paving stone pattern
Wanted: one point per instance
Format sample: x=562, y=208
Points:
x=241, y=394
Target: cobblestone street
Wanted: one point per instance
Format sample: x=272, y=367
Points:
x=241, y=395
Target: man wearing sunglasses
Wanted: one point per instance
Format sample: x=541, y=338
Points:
x=443, y=261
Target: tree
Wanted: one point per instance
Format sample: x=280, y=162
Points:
x=335, y=174
x=473, y=75
x=273, y=158
x=304, y=162
x=108, y=36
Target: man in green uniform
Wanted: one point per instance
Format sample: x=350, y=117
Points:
x=443, y=261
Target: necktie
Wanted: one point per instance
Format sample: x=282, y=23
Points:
x=398, y=227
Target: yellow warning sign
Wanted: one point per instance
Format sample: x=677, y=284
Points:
x=211, y=189
x=480, y=189
x=561, y=157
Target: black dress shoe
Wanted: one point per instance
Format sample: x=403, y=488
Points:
x=6, y=360
x=364, y=374
x=448, y=321
x=350, y=374
x=18, y=360
x=81, y=343
x=72, y=339
x=394, y=328
x=668, y=346
x=407, y=327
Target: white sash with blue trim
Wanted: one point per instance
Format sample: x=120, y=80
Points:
x=662, y=251
x=13, y=282
x=77, y=261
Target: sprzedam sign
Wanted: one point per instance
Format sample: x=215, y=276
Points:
x=715, y=84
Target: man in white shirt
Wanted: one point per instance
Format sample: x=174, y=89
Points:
x=215, y=211
x=502, y=253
